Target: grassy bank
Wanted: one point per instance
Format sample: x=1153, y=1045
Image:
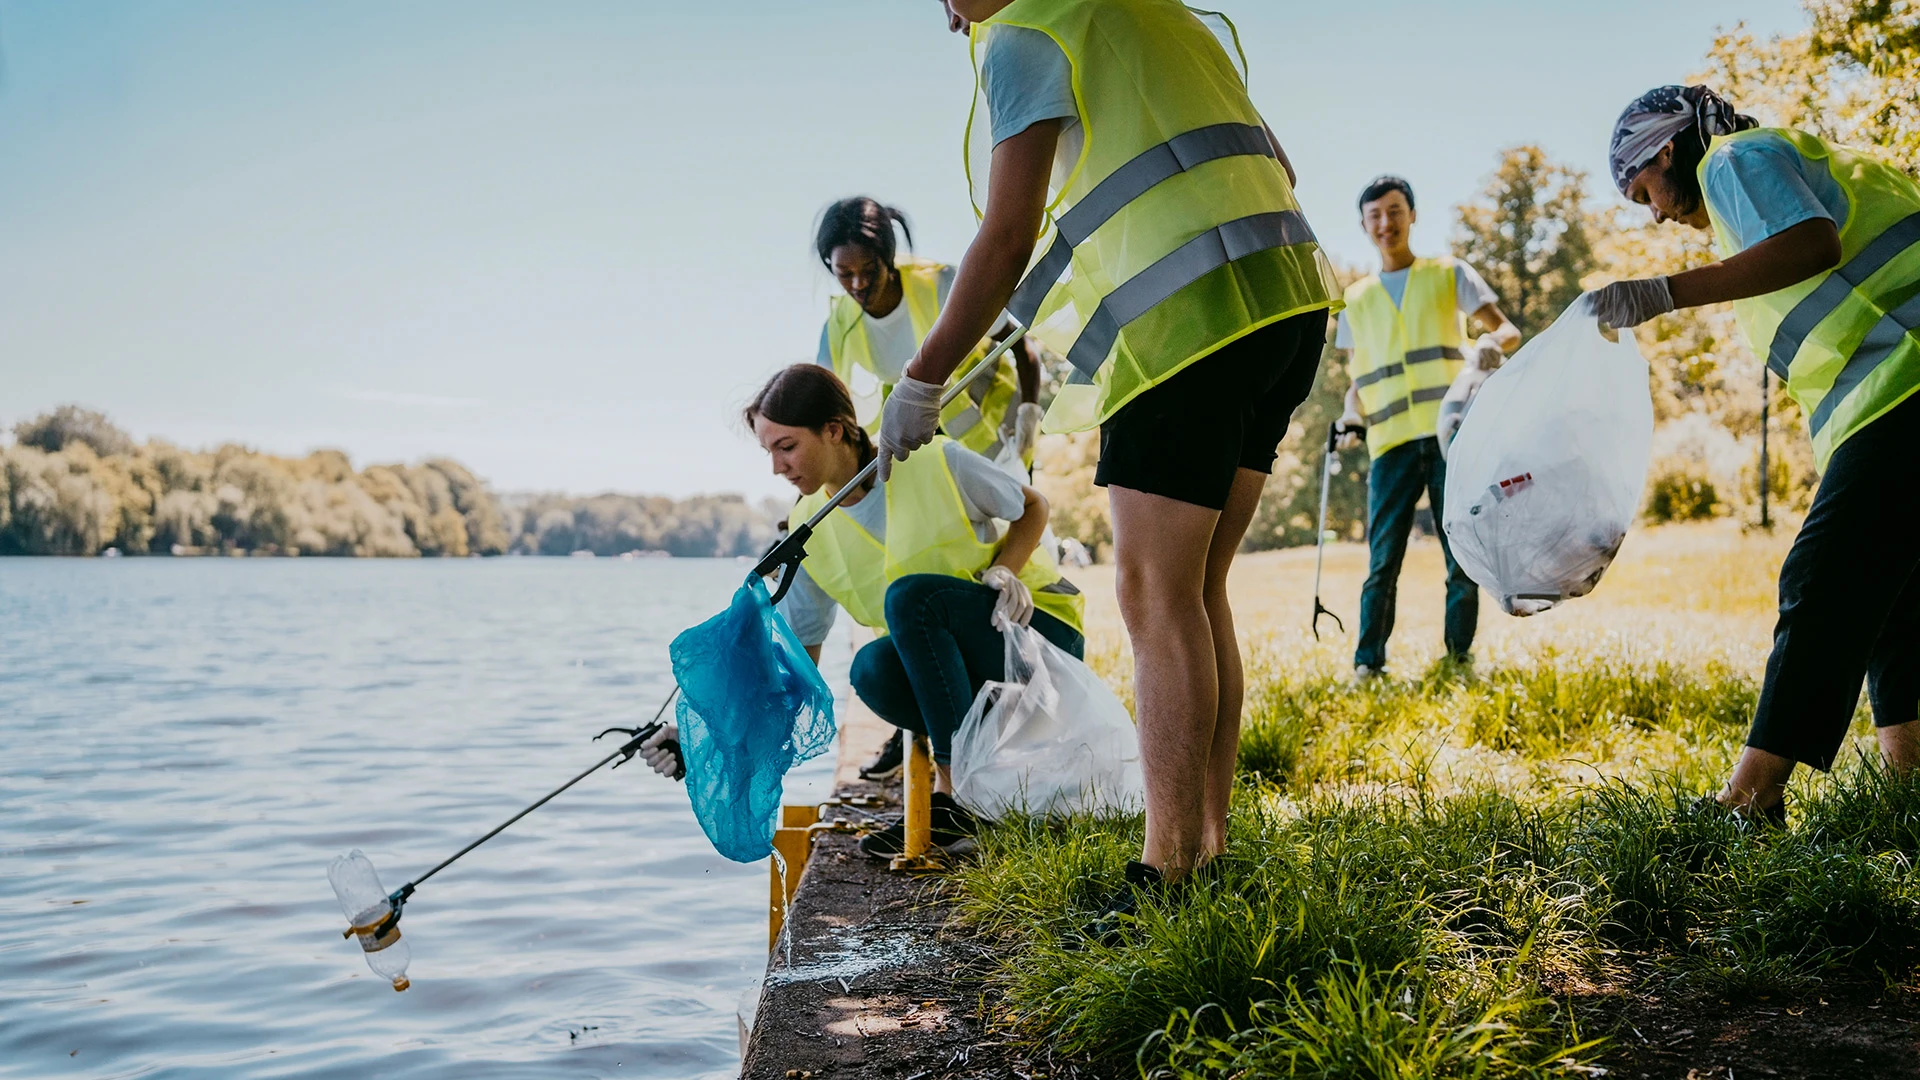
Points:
x=1441, y=873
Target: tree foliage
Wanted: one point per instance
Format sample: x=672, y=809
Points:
x=1528, y=235
x=73, y=484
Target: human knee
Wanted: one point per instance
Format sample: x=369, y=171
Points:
x=908, y=597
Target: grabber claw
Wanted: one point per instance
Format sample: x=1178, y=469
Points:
x=642, y=734
x=1320, y=609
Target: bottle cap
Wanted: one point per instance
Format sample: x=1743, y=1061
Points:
x=400, y=982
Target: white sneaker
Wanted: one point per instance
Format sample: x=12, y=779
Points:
x=1364, y=672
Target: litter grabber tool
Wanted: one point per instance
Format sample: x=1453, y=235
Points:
x=1334, y=431
x=373, y=914
x=786, y=555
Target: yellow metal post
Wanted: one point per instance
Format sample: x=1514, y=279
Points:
x=793, y=840
x=916, y=794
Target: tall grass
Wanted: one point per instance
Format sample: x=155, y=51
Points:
x=1421, y=872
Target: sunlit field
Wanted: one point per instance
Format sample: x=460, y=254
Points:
x=1437, y=873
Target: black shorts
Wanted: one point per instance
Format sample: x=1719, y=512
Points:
x=1187, y=437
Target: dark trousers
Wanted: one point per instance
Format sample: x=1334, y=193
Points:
x=1394, y=484
x=941, y=648
x=1849, y=598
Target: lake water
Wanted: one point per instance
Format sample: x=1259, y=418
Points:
x=185, y=745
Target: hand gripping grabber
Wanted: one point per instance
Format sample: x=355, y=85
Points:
x=397, y=900
x=788, y=552
x=1334, y=431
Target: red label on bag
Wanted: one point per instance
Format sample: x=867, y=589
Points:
x=1513, y=485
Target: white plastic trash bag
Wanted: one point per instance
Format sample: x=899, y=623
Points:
x=1546, y=471
x=1051, y=739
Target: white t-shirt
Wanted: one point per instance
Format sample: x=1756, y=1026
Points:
x=989, y=493
x=890, y=337
x=1470, y=292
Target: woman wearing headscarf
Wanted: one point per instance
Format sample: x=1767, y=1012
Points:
x=1820, y=255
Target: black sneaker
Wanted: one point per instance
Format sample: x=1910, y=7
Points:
x=953, y=826
x=1123, y=904
x=885, y=765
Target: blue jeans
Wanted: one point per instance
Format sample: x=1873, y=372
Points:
x=1394, y=484
x=941, y=648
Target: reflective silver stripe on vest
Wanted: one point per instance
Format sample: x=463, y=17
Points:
x=1813, y=308
x=1888, y=334
x=1379, y=373
x=1186, y=264
x=1418, y=397
x=961, y=423
x=1388, y=413
x=1436, y=352
x=1125, y=184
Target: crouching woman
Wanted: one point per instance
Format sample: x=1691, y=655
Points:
x=936, y=561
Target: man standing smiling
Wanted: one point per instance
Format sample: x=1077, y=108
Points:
x=1184, y=286
x=1402, y=330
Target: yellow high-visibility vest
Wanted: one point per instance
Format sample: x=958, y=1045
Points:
x=928, y=532
x=1843, y=341
x=1405, y=356
x=1176, y=232
x=973, y=418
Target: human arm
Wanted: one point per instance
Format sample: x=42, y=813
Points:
x=1015, y=606
x=1783, y=259
x=1016, y=206
x=1023, y=532
x=1499, y=328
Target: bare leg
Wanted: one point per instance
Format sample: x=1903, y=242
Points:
x=942, y=779
x=1900, y=745
x=1759, y=781
x=1223, y=755
x=1161, y=546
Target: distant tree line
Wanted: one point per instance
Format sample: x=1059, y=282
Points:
x=72, y=483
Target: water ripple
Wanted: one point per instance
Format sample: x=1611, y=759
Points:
x=190, y=741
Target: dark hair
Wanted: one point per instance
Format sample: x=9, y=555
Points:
x=1689, y=148
x=862, y=222
x=1379, y=186
x=810, y=396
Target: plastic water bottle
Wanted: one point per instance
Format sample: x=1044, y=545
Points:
x=366, y=906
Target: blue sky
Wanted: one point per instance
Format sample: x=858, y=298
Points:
x=563, y=242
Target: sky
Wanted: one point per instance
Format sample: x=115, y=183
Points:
x=564, y=242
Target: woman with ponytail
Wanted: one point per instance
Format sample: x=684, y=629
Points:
x=1820, y=248
x=937, y=560
x=887, y=307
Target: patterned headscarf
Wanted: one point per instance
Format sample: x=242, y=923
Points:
x=1660, y=114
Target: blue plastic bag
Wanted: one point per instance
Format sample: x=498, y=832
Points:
x=752, y=706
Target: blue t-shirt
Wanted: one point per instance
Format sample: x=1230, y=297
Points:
x=1760, y=186
x=1027, y=79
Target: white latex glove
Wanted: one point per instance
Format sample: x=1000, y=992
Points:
x=1632, y=302
x=909, y=422
x=1022, y=428
x=1015, y=606
x=1487, y=354
x=1351, y=426
x=655, y=753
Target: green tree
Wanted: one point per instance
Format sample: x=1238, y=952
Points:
x=53, y=431
x=1528, y=234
